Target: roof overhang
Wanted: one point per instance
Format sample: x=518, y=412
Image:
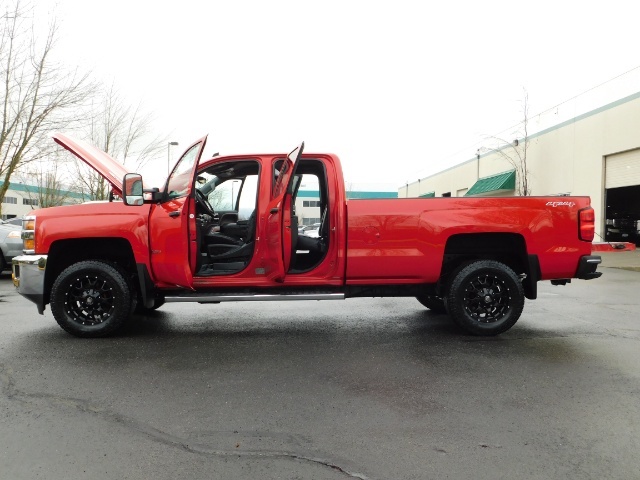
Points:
x=494, y=184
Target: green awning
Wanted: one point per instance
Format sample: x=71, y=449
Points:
x=494, y=183
x=428, y=195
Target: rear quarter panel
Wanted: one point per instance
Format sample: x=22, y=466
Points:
x=403, y=240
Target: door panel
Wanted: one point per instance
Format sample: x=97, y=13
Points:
x=171, y=223
x=279, y=218
x=169, y=246
x=287, y=232
x=275, y=259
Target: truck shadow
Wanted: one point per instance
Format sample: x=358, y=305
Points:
x=159, y=323
x=420, y=335
x=293, y=332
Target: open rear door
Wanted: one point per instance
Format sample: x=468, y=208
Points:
x=172, y=222
x=279, y=235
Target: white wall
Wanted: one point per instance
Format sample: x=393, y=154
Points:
x=18, y=209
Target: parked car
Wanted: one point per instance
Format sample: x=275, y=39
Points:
x=310, y=230
x=10, y=245
x=313, y=232
x=12, y=221
x=622, y=229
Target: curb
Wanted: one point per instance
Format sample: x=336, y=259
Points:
x=612, y=247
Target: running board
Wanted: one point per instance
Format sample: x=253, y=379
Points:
x=206, y=298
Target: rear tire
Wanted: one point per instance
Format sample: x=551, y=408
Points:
x=91, y=299
x=485, y=298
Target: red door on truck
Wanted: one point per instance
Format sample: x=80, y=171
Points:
x=172, y=222
x=279, y=234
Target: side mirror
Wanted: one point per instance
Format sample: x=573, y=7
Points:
x=132, y=186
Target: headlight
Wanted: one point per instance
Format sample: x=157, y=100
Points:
x=28, y=235
x=29, y=223
x=14, y=234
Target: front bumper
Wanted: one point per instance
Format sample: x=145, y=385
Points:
x=28, y=276
x=587, y=267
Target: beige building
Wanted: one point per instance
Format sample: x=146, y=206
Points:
x=596, y=153
x=20, y=200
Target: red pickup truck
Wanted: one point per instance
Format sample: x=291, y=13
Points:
x=226, y=229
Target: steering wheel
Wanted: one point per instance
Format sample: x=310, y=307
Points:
x=203, y=202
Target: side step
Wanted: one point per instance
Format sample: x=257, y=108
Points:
x=208, y=298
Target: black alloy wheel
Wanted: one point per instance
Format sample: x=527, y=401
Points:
x=486, y=297
x=91, y=299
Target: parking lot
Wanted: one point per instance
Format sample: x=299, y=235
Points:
x=363, y=388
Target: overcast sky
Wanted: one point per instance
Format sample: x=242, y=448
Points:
x=398, y=89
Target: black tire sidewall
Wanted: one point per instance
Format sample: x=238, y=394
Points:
x=122, y=298
x=455, y=296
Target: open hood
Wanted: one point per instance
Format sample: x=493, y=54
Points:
x=100, y=161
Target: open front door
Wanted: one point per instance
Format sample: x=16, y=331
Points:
x=279, y=235
x=172, y=222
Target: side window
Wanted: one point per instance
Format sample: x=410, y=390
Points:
x=223, y=198
x=308, y=200
x=180, y=180
x=235, y=193
x=277, y=185
x=248, y=195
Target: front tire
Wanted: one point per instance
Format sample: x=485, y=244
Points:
x=485, y=298
x=91, y=299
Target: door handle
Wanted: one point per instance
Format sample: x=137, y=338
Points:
x=274, y=210
x=174, y=214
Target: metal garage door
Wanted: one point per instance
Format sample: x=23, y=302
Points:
x=622, y=169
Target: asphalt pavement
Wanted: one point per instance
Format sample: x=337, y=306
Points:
x=362, y=388
x=627, y=260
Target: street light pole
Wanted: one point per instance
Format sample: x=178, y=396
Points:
x=169, y=155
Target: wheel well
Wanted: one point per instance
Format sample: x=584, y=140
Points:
x=507, y=248
x=67, y=252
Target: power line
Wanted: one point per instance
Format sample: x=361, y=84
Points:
x=550, y=109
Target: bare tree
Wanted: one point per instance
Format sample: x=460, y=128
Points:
x=89, y=183
x=124, y=132
x=46, y=183
x=515, y=152
x=37, y=95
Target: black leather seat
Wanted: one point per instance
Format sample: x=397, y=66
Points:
x=222, y=246
x=315, y=244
